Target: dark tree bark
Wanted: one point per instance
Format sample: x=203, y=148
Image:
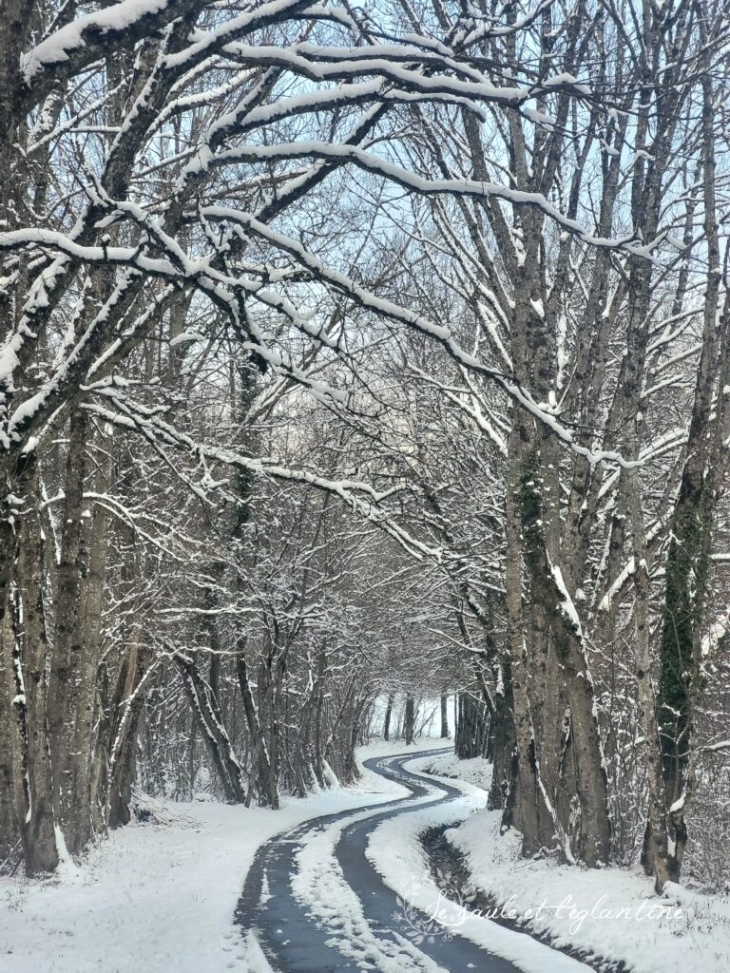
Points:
x=31, y=647
x=472, y=728
x=388, y=717
x=206, y=710
x=409, y=719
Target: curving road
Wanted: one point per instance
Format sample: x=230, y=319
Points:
x=308, y=916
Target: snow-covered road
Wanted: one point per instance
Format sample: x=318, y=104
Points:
x=314, y=900
x=159, y=896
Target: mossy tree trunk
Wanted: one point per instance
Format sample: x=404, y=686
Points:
x=688, y=561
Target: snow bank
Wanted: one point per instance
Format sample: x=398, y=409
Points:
x=612, y=913
x=607, y=913
x=319, y=885
x=396, y=853
x=157, y=898
x=476, y=771
x=394, y=748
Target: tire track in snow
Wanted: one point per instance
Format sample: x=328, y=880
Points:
x=313, y=903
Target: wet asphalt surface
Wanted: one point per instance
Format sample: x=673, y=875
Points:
x=293, y=941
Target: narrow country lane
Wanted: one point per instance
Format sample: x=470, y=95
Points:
x=313, y=902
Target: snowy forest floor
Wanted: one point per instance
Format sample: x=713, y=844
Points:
x=698, y=938
x=159, y=897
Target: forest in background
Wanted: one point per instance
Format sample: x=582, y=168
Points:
x=354, y=353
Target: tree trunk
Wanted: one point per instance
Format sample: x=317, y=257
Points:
x=67, y=691
x=409, y=720
x=388, y=717
x=549, y=592
x=217, y=741
x=502, y=751
x=263, y=772
x=90, y=623
x=11, y=774
x=444, y=717
x=127, y=705
x=472, y=729
x=529, y=812
x=31, y=647
x=688, y=561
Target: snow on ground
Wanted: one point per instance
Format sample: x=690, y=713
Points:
x=158, y=899
x=476, y=771
x=577, y=908
x=380, y=748
x=395, y=852
x=680, y=931
x=319, y=884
